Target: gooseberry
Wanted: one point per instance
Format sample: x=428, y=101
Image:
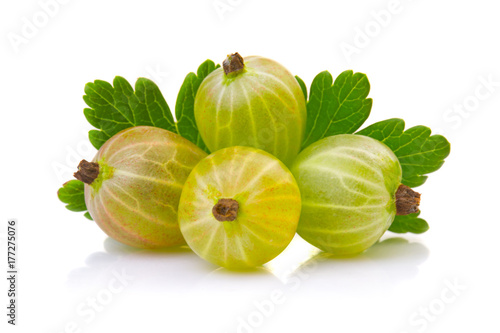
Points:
x=351, y=192
x=133, y=185
x=253, y=102
x=239, y=207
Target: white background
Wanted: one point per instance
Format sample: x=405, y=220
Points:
x=424, y=63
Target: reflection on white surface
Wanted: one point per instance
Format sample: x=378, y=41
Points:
x=172, y=270
x=381, y=267
x=386, y=264
x=223, y=280
x=178, y=282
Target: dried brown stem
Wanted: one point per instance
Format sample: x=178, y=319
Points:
x=233, y=63
x=407, y=200
x=226, y=210
x=87, y=172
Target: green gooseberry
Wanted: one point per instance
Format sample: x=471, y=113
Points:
x=239, y=207
x=253, y=102
x=133, y=185
x=351, y=192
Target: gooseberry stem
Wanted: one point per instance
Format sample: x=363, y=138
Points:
x=226, y=210
x=87, y=172
x=233, y=63
x=407, y=200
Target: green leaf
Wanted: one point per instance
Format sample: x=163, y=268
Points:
x=72, y=194
x=113, y=108
x=184, y=106
x=418, y=152
x=339, y=108
x=302, y=86
x=116, y=107
x=409, y=223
